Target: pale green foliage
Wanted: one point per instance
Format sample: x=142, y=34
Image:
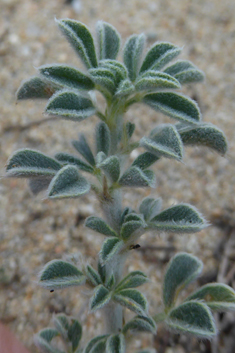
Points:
x=104, y=169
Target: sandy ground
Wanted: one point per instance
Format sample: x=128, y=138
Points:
x=34, y=230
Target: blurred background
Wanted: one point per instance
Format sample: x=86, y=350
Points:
x=34, y=230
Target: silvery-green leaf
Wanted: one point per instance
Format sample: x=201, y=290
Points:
x=142, y=324
x=111, y=167
x=102, y=138
x=102, y=271
x=118, y=69
x=181, y=218
x=125, y=212
x=48, y=334
x=59, y=274
x=27, y=163
x=185, y=72
x=36, y=88
x=110, y=282
x=125, y=88
x=66, y=76
x=218, y=296
x=154, y=80
x=61, y=323
x=110, y=248
x=44, y=345
x=150, y=207
x=135, y=177
x=116, y=344
x=67, y=158
x=181, y=270
x=100, y=226
x=83, y=148
x=132, y=54
x=145, y=160
x=109, y=40
x=70, y=105
x=159, y=55
x=99, y=158
x=81, y=40
x=93, y=276
x=130, y=128
x=74, y=333
x=133, y=300
x=131, y=225
x=204, y=134
x=133, y=280
x=194, y=318
x=68, y=182
x=174, y=105
x=100, y=298
x=104, y=80
x=92, y=345
x=166, y=142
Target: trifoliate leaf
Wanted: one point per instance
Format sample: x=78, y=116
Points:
x=70, y=105
x=75, y=333
x=159, y=55
x=100, y=226
x=132, y=54
x=59, y=274
x=84, y=149
x=116, y=344
x=66, y=76
x=125, y=88
x=218, y=296
x=28, y=163
x=109, y=40
x=204, y=134
x=185, y=72
x=100, y=298
x=104, y=80
x=181, y=218
x=174, y=105
x=154, y=80
x=133, y=280
x=135, y=177
x=102, y=138
x=68, y=182
x=118, y=69
x=67, y=158
x=111, y=247
x=81, y=40
x=36, y=88
x=93, y=276
x=165, y=142
x=133, y=300
x=142, y=324
x=182, y=269
x=111, y=167
x=194, y=318
x=150, y=207
x=145, y=160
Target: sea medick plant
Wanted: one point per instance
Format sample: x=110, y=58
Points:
x=105, y=170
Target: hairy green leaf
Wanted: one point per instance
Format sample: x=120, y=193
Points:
x=154, y=80
x=36, y=88
x=96, y=345
x=109, y=40
x=84, y=149
x=100, y=226
x=194, y=318
x=204, y=134
x=104, y=80
x=174, y=105
x=132, y=54
x=182, y=269
x=181, y=218
x=68, y=183
x=150, y=207
x=218, y=296
x=48, y=334
x=75, y=333
x=100, y=298
x=159, y=55
x=67, y=158
x=44, y=345
x=66, y=76
x=132, y=223
x=133, y=280
x=102, y=271
x=110, y=248
x=145, y=160
x=118, y=69
x=81, y=40
x=185, y=72
x=62, y=323
x=142, y=324
x=28, y=163
x=93, y=276
x=130, y=128
x=135, y=177
x=70, y=105
x=133, y=300
x=58, y=274
x=165, y=142
x=102, y=138
x=111, y=167
x=125, y=88
x=116, y=344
